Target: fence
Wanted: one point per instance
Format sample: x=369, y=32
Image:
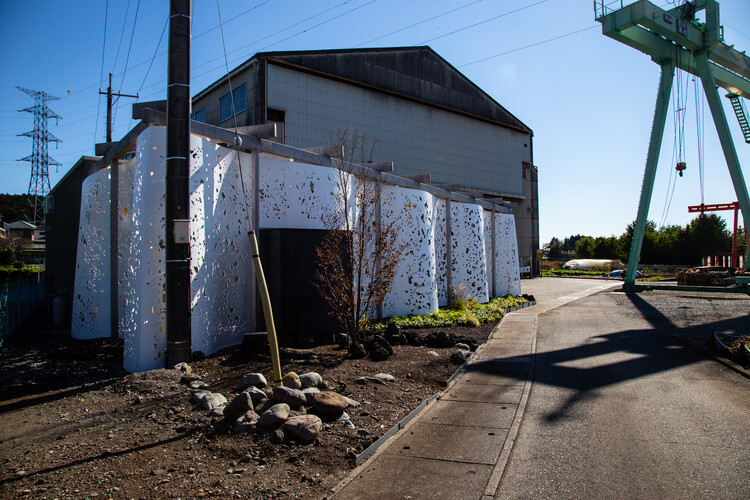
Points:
x=19, y=299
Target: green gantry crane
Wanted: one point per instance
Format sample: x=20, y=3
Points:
x=675, y=38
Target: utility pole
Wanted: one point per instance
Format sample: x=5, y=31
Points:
x=39, y=158
x=177, y=234
x=109, y=95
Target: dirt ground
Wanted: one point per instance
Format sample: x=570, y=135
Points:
x=76, y=425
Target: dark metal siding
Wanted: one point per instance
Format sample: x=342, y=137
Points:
x=61, y=236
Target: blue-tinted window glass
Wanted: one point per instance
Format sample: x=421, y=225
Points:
x=225, y=103
x=199, y=116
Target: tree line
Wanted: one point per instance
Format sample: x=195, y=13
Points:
x=707, y=234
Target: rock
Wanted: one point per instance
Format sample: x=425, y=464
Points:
x=246, y=422
x=304, y=427
x=439, y=339
x=240, y=404
x=263, y=405
x=463, y=346
x=357, y=350
x=413, y=338
x=433, y=354
x=183, y=367
x=256, y=394
x=251, y=379
x=310, y=379
x=197, y=384
x=189, y=377
x=391, y=330
x=379, y=353
x=380, y=349
x=213, y=400
x=293, y=397
x=310, y=393
x=385, y=377
x=394, y=336
x=363, y=432
x=277, y=436
x=291, y=380
x=361, y=380
x=460, y=356
x=196, y=396
x=348, y=424
x=217, y=412
x=329, y=403
x=274, y=416
x=351, y=402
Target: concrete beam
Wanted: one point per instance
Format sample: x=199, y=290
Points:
x=423, y=178
x=329, y=151
x=138, y=108
x=266, y=130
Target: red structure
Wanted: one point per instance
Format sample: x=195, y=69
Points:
x=717, y=207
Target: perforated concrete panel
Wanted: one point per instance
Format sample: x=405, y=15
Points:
x=468, y=265
x=414, y=289
x=220, y=218
x=91, y=304
x=507, y=279
x=145, y=325
x=293, y=195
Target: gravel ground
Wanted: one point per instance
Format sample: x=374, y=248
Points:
x=76, y=425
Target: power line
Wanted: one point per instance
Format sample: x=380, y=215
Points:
x=127, y=58
x=418, y=23
x=483, y=22
x=528, y=46
x=101, y=75
x=230, y=20
x=122, y=35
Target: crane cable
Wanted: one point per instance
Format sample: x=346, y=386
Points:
x=234, y=117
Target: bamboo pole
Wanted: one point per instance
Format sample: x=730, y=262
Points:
x=267, y=311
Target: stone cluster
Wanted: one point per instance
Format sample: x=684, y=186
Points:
x=294, y=410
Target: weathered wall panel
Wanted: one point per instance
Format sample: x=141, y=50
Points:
x=418, y=138
x=414, y=289
x=507, y=279
x=91, y=306
x=468, y=265
x=294, y=195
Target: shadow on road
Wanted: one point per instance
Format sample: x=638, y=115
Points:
x=612, y=358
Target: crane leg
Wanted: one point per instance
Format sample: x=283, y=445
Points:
x=725, y=137
x=654, y=147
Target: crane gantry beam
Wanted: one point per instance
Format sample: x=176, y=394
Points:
x=676, y=39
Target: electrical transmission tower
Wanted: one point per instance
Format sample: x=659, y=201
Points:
x=39, y=158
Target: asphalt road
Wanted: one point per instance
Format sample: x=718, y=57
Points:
x=619, y=408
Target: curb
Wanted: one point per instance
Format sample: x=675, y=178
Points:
x=400, y=425
x=374, y=448
x=695, y=344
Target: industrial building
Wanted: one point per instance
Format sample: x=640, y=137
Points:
x=425, y=115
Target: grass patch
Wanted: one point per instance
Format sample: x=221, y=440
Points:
x=570, y=272
x=474, y=314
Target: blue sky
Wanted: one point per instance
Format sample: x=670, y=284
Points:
x=589, y=99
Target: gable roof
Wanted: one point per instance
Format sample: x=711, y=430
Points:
x=414, y=72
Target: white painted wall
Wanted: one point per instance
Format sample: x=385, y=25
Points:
x=292, y=195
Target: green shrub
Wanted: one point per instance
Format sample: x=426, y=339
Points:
x=474, y=314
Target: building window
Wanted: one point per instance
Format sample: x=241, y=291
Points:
x=278, y=117
x=199, y=116
x=225, y=103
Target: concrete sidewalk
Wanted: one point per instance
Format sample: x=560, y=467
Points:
x=458, y=446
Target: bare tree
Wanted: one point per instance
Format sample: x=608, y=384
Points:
x=359, y=257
